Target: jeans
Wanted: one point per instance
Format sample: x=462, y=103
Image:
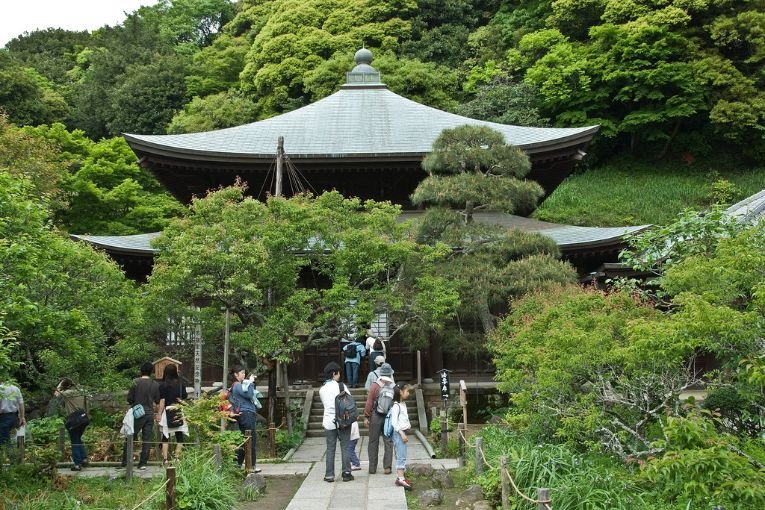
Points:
x=372, y=356
x=7, y=422
x=144, y=425
x=332, y=435
x=78, y=449
x=400, y=445
x=352, y=373
x=352, y=452
x=247, y=420
x=376, y=423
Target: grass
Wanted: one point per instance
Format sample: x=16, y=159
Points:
x=631, y=192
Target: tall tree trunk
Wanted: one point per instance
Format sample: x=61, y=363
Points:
x=668, y=143
x=271, y=391
x=287, y=397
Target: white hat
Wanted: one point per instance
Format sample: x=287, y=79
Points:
x=379, y=360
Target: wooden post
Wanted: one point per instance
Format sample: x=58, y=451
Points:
x=505, y=483
x=478, y=456
x=129, y=458
x=463, y=401
x=247, y=451
x=20, y=447
x=444, y=436
x=279, y=165
x=272, y=440
x=217, y=456
x=170, y=489
x=226, y=342
x=419, y=368
x=543, y=495
x=461, y=431
x=61, y=442
x=287, y=410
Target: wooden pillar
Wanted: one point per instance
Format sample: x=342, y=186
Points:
x=129, y=458
x=478, y=456
x=272, y=440
x=461, y=430
x=543, y=495
x=505, y=483
x=170, y=489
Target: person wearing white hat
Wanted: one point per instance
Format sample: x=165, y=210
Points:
x=375, y=346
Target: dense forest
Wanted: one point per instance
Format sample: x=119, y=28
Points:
x=660, y=77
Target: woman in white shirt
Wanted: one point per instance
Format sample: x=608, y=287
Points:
x=400, y=421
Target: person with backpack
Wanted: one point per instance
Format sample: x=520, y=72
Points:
x=375, y=347
x=244, y=409
x=353, y=351
x=75, y=402
x=379, y=401
x=398, y=425
x=374, y=374
x=339, y=414
x=143, y=397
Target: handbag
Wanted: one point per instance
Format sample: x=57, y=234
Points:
x=138, y=411
x=77, y=419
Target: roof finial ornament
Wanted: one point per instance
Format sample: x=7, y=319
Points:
x=363, y=56
x=363, y=74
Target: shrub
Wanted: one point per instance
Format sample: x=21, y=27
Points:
x=200, y=485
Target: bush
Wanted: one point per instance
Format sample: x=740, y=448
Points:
x=44, y=430
x=200, y=485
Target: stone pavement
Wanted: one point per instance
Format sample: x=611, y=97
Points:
x=366, y=491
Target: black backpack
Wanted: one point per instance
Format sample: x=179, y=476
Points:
x=345, y=408
x=350, y=351
x=378, y=345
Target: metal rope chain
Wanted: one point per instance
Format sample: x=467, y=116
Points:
x=546, y=503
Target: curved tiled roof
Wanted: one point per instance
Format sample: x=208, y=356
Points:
x=568, y=237
x=366, y=121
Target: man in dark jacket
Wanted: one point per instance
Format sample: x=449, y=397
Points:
x=144, y=392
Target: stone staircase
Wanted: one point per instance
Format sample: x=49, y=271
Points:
x=315, y=428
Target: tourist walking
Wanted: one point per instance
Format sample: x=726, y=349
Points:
x=328, y=392
x=379, y=400
x=375, y=346
x=75, y=402
x=143, y=396
x=353, y=351
x=242, y=396
x=375, y=374
x=170, y=418
x=11, y=411
x=400, y=422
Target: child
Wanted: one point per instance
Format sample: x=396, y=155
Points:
x=355, y=435
x=400, y=422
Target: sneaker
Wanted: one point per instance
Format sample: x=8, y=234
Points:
x=76, y=467
x=401, y=482
x=257, y=470
x=329, y=479
x=85, y=463
x=387, y=471
x=355, y=468
x=347, y=477
x=141, y=467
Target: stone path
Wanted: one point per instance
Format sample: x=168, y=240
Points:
x=366, y=491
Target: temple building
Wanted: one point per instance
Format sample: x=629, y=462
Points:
x=365, y=141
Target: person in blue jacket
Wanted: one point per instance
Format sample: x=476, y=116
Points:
x=353, y=351
x=244, y=409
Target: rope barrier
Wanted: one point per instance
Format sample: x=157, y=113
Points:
x=139, y=505
x=546, y=503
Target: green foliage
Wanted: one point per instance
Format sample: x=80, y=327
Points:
x=632, y=192
x=216, y=68
x=471, y=167
x=108, y=192
x=574, y=480
x=44, y=431
x=202, y=485
x=704, y=468
x=216, y=111
x=504, y=101
x=67, y=302
x=26, y=96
